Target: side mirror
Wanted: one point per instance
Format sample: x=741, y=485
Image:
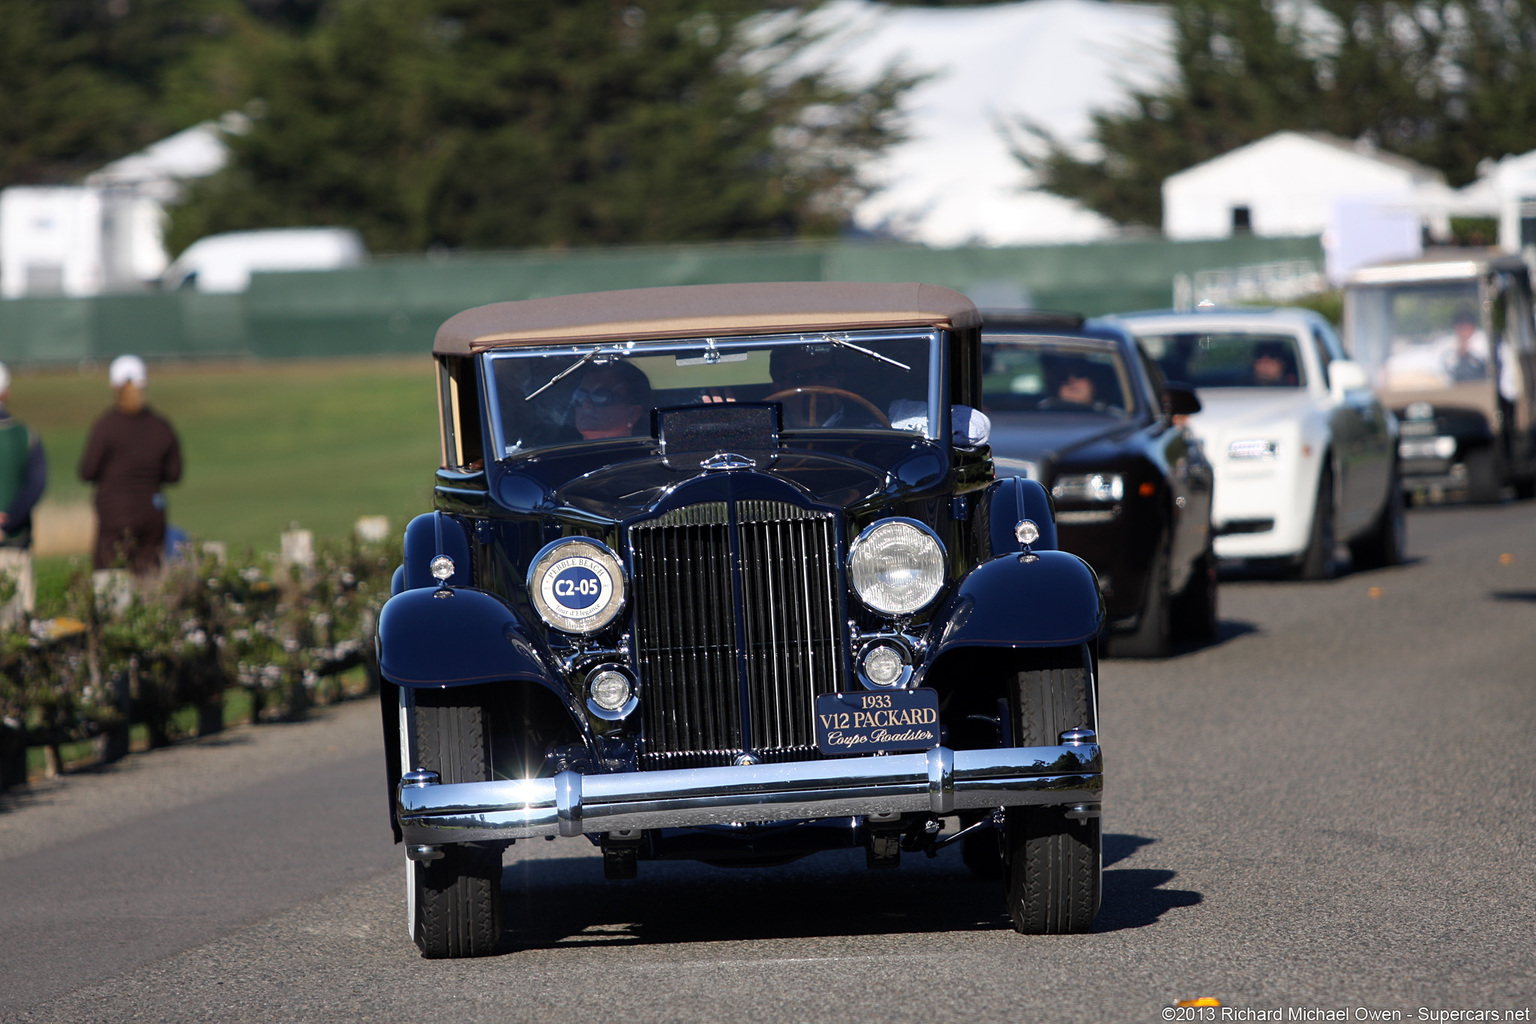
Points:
x=1179, y=399
x=1346, y=375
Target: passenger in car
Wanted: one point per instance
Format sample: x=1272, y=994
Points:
x=611, y=400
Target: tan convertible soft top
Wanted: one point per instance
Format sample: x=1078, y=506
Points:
x=704, y=310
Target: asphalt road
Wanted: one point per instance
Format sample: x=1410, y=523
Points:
x=1328, y=809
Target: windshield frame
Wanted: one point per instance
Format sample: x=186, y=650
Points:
x=938, y=420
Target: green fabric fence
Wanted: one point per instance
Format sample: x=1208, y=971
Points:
x=394, y=304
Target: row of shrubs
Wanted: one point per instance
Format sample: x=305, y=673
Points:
x=122, y=653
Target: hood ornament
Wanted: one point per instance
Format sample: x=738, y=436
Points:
x=724, y=461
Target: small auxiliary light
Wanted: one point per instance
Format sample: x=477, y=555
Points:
x=1026, y=532
x=441, y=568
x=610, y=689
x=884, y=665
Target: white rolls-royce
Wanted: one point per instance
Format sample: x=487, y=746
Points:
x=1305, y=456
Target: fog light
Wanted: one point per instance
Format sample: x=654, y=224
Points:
x=884, y=665
x=610, y=689
x=441, y=567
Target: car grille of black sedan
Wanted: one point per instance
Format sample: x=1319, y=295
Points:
x=699, y=664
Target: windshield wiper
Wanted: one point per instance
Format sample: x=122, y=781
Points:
x=578, y=364
x=845, y=343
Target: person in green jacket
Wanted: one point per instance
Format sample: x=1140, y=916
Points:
x=23, y=475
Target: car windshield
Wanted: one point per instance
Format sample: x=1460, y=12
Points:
x=1043, y=374
x=554, y=396
x=1227, y=359
x=1419, y=335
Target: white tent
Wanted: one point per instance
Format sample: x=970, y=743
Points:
x=1288, y=183
x=1505, y=190
x=158, y=171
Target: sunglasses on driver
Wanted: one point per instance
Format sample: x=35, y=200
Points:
x=598, y=398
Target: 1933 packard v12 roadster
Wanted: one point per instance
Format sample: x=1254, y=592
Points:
x=722, y=572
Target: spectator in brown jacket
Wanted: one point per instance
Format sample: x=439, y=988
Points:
x=131, y=452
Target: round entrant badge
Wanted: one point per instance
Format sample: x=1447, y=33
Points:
x=579, y=587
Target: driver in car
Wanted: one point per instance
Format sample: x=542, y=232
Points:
x=1069, y=381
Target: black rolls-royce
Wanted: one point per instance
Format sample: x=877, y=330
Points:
x=1076, y=405
x=724, y=573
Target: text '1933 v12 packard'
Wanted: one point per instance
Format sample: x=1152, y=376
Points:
x=722, y=572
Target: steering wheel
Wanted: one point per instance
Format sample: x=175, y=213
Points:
x=812, y=390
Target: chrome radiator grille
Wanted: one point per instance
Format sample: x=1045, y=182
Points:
x=693, y=660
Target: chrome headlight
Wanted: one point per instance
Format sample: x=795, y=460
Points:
x=1089, y=487
x=897, y=566
x=576, y=585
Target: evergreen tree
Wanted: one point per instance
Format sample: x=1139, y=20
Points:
x=83, y=82
x=535, y=123
x=1439, y=82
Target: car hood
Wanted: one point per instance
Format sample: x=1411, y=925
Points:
x=1042, y=436
x=627, y=481
x=1224, y=410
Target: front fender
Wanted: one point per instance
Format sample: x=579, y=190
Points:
x=1014, y=498
x=451, y=637
x=427, y=536
x=456, y=637
x=1043, y=599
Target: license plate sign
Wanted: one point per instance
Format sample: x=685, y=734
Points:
x=869, y=721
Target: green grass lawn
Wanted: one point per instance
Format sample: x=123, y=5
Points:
x=265, y=445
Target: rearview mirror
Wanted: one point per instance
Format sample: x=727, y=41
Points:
x=1179, y=399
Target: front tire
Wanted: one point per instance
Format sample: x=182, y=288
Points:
x=1194, y=609
x=1318, y=560
x=1387, y=543
x=1483, y=476
x=1154, y=630
x=1053, y=866
x=455, y=900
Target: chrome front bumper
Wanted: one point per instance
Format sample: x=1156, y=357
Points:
x=940, y=782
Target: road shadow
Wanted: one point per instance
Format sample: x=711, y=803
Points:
x=1281, y=572
x=1513, y=595
x=1227, y=630
x=565, y=902
x=1136, y=897
x=1118, y=846
x=41, y=790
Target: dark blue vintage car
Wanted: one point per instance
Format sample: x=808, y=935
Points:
x=724, y=573
x=1076, y=404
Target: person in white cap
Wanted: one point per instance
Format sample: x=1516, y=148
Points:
x=23, y=475
x=132, y=452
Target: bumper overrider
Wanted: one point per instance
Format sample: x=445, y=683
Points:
x=939, y=782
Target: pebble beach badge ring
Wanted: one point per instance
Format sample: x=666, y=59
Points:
x=577, y=585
